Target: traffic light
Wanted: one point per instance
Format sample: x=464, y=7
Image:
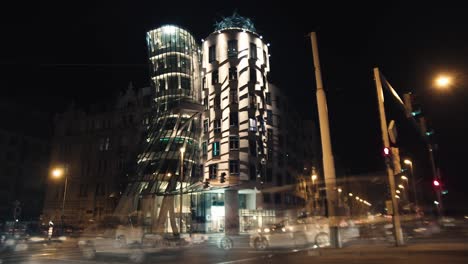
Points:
x=222, y=178
x=386, y=152
x=206, y=184
x=436, y=183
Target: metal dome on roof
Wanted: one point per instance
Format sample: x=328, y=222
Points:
x=235, y=21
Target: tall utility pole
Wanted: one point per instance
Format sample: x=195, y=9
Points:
x=327, y=154
x=391, y=177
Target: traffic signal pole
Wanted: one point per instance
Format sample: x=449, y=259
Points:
x=327, y=154
x=383, y=124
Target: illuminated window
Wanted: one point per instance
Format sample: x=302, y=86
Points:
x=252, y=125
x=215, y=150
x=212, y=54
x=253, y=51
x=234, y=166
x=232, y=48
x=233, y=142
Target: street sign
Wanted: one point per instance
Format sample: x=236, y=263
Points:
x=392, y=132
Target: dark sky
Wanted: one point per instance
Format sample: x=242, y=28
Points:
x=85, y=51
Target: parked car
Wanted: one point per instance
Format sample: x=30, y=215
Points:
x=295, y=233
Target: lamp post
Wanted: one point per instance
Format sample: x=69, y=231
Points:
x=182, y=151
x=58, y=173
x=413, y=181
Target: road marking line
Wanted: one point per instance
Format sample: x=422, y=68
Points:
x=238, y=261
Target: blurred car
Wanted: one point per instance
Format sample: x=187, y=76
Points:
x=299, y=232
x=111, y=237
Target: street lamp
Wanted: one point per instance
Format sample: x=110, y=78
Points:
x=443, y=81
x=182, y=151
x=57, y=173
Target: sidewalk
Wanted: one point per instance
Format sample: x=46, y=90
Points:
x=370, y=250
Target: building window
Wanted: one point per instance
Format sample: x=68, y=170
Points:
x=253, y=100
x=233, y=73
x=185, y=83
x=213, y=171
x=253, y=147
x=216, y=150
x=232, y=48
x=234, y=166
x=206, y=125
x=264, y=57
x=204, y=83
x=204, y=148
x=217, y=101
x=184, y=65
x=104, y=144
x=100, y=189
x=212, y=54
x=205, y=103
x=253, y=74
x=253, y=51
x=233, y=142
x=217, y=125
x=277, y=198
x=252, y=172
x=214, y=77
x=270, y=135
x=278, y=102
x=83, y=190
x=234, y=119
x=268, y=98
x=269, y=117
x=269, y=175
x=233, y=95
x=162, y=85
x=266, y=198
x=252, y=125
x=173, y=83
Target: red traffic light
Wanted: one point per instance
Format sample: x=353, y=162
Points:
x=386, y=151
x=436, y=183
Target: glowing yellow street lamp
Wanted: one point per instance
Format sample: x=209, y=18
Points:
x=443, y=81
x=57, y=172
x=403, y=177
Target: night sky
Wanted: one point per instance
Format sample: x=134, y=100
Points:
x=87, y=51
